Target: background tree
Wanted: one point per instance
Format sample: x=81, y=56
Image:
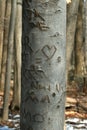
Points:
x=71, y=29
x=7, y=9
x=85, y=41
x=18, y=35
x=79, y=47
x=9, y=59
x=43, y=65
x=2, y=18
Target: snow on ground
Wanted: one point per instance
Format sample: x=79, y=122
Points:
x=71, y=123
x=76, y=124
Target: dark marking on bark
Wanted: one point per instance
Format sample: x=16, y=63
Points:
x=29, y=75
x=50, y=3
x=59, y=59
x=53, y=94
x=58, y=106
x=45, y=99
x=57, y=42
x=37, y=51
x=49, y=51
x=41, y=87
x=40, y=25
x=57, y=34
x=30, y=128
x=33, y=97
x=38, y=60
x=26, y=113
x=36, y=85
x=58, y=10
x=49, y=118
x=27, y=42
x=37, y=71
x=38, y=118
x=35, y=13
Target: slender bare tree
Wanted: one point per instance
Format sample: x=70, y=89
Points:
x=71, y=29
x=18, y=35
x=9, y=59
x=85, y=33
x=79, y=48
x=2, y=18
x=5, y=40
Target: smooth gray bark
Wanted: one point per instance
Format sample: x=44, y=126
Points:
x=43, y=65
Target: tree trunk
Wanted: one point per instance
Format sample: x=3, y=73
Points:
x=5, y=40
x=18, y=34
x=79, y=41
x=71, y=28
x=43, y=65
x=79, y=51
x=86, y=35
x=85, y=8
x=9, y=60
x=2, y=17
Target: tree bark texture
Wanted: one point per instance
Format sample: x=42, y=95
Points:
x=43, y=65
x=9, y=59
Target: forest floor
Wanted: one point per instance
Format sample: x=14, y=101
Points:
x=75, y=112
x=76, y=109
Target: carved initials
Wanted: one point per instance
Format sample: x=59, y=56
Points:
x=45, y=99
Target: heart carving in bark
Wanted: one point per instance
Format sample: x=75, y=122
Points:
x=49, y=51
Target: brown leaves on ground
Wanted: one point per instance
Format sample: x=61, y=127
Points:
x=76, y=104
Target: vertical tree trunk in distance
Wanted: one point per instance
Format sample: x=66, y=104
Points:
x=5, y=40
x=79, y=41
x=79, y=51
x=71, y=28
x=18, y=35
x=43, y=65
x=2, y=14
x=9, y=59
x=85, y=43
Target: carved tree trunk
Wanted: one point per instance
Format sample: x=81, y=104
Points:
x=5, y=40
x=43, y=65
x=9, y=59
